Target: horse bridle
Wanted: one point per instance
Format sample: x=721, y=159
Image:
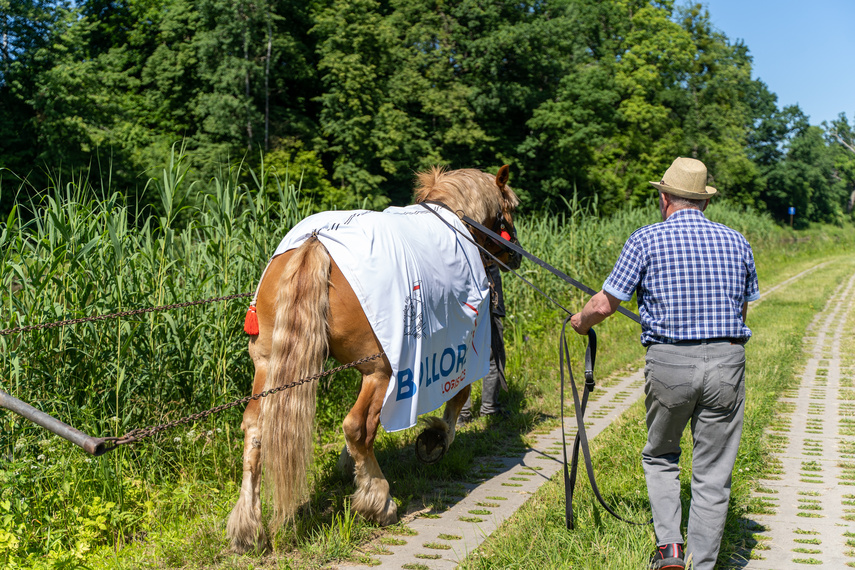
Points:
x=503, y=234
x=500, y=227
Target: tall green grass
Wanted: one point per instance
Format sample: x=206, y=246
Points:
x=81, y=249
x=585, y=247
x=78, y=251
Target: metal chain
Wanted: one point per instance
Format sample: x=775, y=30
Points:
x=41, y=326
x=140, y=433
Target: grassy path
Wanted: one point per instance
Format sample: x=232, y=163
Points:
x=536, y=538
x=803, y=513
x=441, y=538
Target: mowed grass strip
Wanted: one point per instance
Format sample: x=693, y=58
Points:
x=536, y=536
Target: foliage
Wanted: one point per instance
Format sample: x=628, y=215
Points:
x=581, y=97
x=80, y=254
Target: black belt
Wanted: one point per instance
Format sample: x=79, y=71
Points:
x=730, y=339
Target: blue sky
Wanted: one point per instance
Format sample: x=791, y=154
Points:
x=804, y=50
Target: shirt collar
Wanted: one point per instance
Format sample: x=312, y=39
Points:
x=688, y=212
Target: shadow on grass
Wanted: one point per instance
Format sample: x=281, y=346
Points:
x=740, y=532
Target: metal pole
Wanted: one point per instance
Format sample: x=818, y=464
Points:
x=92, y=445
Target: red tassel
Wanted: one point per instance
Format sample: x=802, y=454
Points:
x=505, y=235
x=250, y=324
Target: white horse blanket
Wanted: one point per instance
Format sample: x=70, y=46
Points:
x=425, y=293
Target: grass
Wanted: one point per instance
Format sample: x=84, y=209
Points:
x=81, y=250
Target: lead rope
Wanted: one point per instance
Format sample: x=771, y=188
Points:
x=581, y=440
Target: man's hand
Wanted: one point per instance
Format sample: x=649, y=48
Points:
x=576, y=323
x=596, y=310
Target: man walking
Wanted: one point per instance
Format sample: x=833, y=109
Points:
x=693, y=279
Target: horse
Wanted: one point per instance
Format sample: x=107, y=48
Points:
x=307, y=311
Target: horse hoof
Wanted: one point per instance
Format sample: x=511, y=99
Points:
x=254, y=541
x=431, y=446
x=390, y=513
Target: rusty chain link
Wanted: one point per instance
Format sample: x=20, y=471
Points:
x=131, y=313
x=141, y=433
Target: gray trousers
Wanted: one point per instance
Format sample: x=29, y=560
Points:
x=701, y=383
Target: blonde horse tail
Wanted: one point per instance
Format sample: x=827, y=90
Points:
x=299, y=347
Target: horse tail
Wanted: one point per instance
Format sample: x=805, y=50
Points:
x=299, y=347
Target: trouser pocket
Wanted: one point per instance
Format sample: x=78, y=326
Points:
x=730, y=391
x=671, y=383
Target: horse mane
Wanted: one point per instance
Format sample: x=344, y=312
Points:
x=471, y=191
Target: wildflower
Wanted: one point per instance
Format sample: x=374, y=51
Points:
x=177, y=440
x=41, y=457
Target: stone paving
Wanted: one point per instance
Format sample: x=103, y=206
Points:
x=808, y=502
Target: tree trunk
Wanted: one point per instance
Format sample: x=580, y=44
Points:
x=4, y=48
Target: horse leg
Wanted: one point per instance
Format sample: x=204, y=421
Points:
x=372, y=498
x=438, y=435
x=452, y=411
x=245, y=528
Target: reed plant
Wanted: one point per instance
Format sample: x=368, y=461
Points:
x=79, y=250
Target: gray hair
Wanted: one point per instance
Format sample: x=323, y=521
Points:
x=681, y=202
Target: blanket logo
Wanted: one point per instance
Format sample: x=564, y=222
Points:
x=414, y=319
x=446, y=369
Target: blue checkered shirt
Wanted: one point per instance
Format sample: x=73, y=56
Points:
x=692, y=277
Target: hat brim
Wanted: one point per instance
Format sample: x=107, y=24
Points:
x=710, y=191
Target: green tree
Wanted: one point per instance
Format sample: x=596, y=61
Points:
x=360, y=126
x=716, y=107
x=805, y=177
x=27, y=30
x=841, y=137
x=610, y=125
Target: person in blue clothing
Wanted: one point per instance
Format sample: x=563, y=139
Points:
x=693, y=279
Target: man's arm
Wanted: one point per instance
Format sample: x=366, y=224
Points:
x=744, y=310
x=595, y=311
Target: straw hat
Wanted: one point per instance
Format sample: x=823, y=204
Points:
x=687, y=178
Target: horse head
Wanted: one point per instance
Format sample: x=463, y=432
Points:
x=485, y=198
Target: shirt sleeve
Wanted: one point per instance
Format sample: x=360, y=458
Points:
x=752, y=287
x=626, y=274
